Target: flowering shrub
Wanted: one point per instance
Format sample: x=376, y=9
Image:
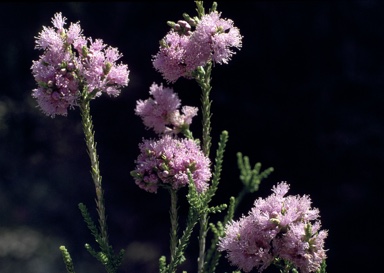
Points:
x=279, y=230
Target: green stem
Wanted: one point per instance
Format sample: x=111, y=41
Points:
x=204, y=80
x=183, y=242
x=202, y=237
x=212, y=256
x=174, y=223
x=240, y=196
x=95, y=171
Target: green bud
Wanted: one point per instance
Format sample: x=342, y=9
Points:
x=283, y=210
x=186, y=16
x=214, y=7
x=103, y=258
x=275, y=221
x=107, y=68
x=171, y=24
x=164, y=167
x=200, y=70
x=43, y=84
x=84, y=51
x=219, y=30
x=190, y=20
x=135, y=174
x=163, y=43
x=308, y=231
x=196, y=19
x=192, y=167
x=63, y=64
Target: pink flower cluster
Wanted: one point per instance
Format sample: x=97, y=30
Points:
x=282, y=227
x=182, y=50
x=72, y=63
x=166, y=162
x=161, y=113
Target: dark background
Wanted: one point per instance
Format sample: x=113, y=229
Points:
x=304, y=95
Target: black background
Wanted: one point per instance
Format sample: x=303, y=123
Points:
x=304, y=95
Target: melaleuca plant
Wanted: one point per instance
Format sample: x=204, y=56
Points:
x=72, y=71
x=284, y=231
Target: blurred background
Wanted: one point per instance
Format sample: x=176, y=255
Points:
x=304, y=95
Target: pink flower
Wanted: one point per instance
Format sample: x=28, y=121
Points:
x=165, y=162
x=276, y=227
x=170, y=60
x=283, y=210
x=54, y=73
x=100, y=71
x=219, y=35
x=183, y=50
x=303, y=245
x=69, y=65
x=248, y=244
x=185, y=119
x=161, y=113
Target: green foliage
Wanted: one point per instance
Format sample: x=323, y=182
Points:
x=195, y=199
x=251, y=178
x=162, y=264
x=67, y=259
x=195, y=210
x=213, y=255
x=323, y=267
x=106, y=256
x=198, y=210
x=217, y=209
x=88, y=220
x=203, y=78
x=200, y=8
x=218, y=167
x=213, y=8
x=288, y=267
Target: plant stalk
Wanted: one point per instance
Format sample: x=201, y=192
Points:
x=95, y=171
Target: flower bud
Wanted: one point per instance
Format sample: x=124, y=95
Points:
x=171, y=24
